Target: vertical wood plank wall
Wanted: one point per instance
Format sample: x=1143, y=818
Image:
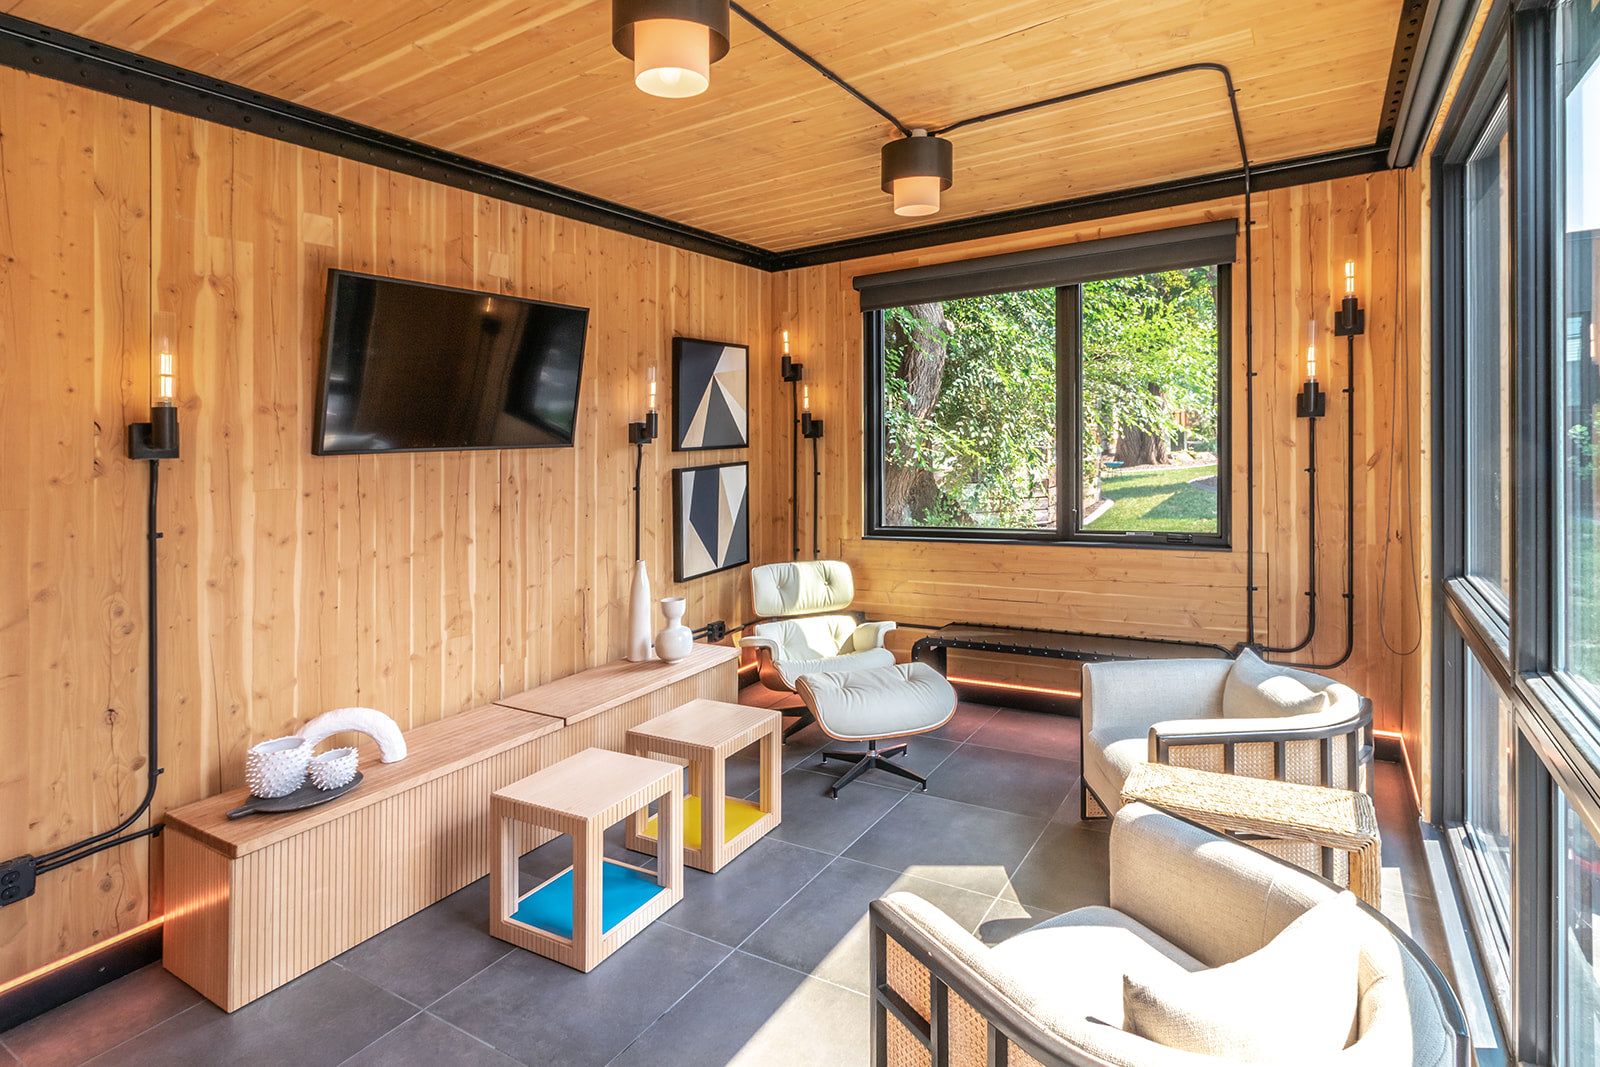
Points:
x=428, y=584
x=290, y=584
x=1303, y=236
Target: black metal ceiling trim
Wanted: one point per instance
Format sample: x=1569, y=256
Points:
x=66, y=57
x=1408, y=34
x=1264, y=176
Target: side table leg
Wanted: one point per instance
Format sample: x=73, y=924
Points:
x=771, y=768
x=713, y=786
x=587, y=879
x=503, y=874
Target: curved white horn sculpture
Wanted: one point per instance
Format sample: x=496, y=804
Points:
x=370, y=721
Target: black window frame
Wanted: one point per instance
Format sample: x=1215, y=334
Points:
x=1069, y=428
x=1557, y=727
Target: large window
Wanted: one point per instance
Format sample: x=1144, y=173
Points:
x=1092, y=410
x=1518, y=384
x=1488, y=352
x=1577, y=925
x=1580, y=372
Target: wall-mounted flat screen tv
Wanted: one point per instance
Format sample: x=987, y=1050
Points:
x=410, y=367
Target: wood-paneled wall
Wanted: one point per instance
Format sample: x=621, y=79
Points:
x=1301, y=241
x=290, y=584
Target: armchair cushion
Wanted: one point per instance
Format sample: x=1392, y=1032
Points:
x=805, y=587
x=889, y=701
x=868, y=635
x=1256, y=689
x=798, y=647
x=1291, y=1000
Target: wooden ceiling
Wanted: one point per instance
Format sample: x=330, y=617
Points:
x=773, y=154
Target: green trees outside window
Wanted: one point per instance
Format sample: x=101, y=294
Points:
x=982, y=396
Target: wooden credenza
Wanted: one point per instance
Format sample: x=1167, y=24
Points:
x=258, y=901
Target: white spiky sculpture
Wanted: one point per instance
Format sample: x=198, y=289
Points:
x=370, y=721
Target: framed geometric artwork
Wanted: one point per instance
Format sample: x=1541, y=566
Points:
x=711, y=519
x=710, y=395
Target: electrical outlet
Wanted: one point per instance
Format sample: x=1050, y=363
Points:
x=17, y=879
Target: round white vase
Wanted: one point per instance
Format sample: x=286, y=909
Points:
x=675, y=641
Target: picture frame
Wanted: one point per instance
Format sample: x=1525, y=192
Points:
x=710, y=519
x=710, y=395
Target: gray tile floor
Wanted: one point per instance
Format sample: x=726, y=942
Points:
x=762, y=963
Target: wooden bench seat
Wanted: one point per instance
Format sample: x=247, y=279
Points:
x=255, y=902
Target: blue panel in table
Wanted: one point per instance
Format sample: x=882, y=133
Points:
x=623, y=891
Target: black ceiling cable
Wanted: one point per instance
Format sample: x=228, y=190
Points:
x=1245, y=173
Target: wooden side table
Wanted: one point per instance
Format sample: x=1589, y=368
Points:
x=704, y=733
x=1311, y=814
x=588, y=911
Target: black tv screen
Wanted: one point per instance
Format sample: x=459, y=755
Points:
x=411, y=367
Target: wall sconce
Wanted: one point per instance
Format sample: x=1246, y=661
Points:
x=792, y=372
x=639, y=435
x=916, y=169
x=1350, y=321
x=1312, y=402
x=158, y=438
x=809, y=427
x=642, y=433
x=672, y=42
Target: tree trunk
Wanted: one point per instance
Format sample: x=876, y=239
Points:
x=1138, y=447
x=908, y=490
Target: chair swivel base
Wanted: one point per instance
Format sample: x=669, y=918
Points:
x=804, y=718
x=869, y=759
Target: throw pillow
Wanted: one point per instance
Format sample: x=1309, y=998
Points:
x=1292, y=1001
x=1256, y=689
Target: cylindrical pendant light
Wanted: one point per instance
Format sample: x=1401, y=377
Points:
x=916, y=169
x=672, y=42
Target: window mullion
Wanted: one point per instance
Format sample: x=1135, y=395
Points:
x=1069, y=410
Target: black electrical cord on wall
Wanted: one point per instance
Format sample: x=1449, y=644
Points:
x=78, y=850
x=1349, y=528
x=1249, y=256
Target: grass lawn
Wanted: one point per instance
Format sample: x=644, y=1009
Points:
x=1158, y=501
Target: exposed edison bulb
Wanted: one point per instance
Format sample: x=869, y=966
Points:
x=916, y=195
x=650, y=378
x=1350, y=278
x=1311, y=351
x=163, y=359
x=805, y=398
x=786, y=342
x=671, y=57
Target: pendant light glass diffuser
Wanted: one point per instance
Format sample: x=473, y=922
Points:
x=672, y=42
x=916, y=170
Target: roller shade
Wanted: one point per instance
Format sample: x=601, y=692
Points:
x=1206, y=244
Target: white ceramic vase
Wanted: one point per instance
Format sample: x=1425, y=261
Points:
x=639, y=616
x=675, y=641
x=277, y=768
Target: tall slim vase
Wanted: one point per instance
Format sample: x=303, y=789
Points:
x=639, y=649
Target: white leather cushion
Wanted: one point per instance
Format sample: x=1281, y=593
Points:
x=1290, y=1001
x=819, y=637
x=1256, y=689
x=792, y=670
x=879, y=702
x=806, y=587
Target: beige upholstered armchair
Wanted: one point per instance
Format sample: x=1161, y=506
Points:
x=1211, y=952
x=809, y=634
x=1239, y=717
